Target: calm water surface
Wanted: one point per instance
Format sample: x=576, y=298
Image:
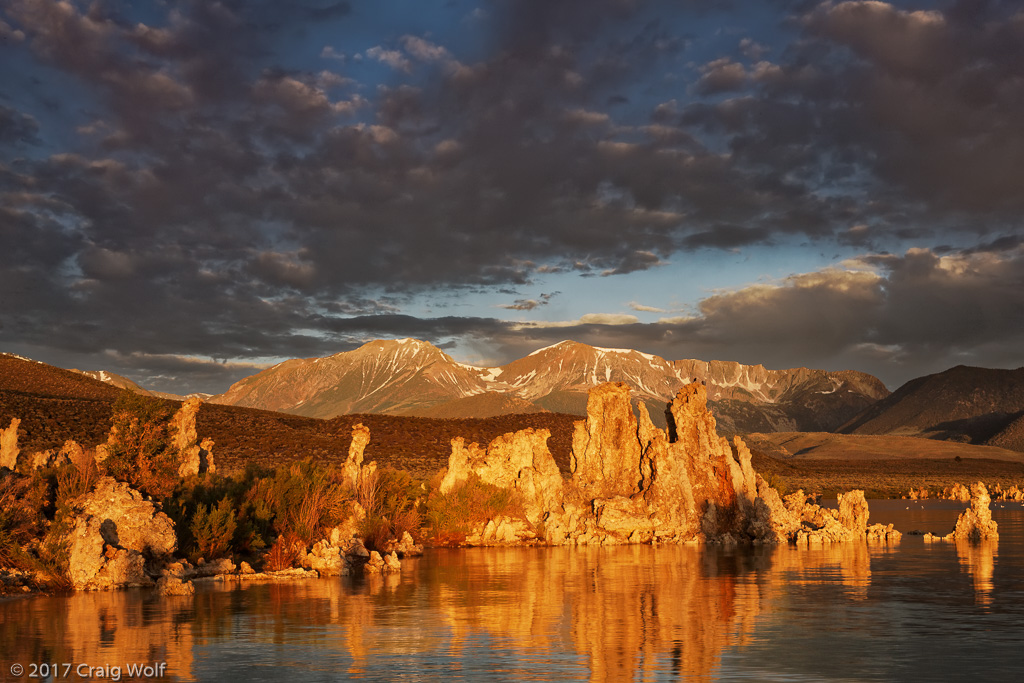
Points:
x=844, y=613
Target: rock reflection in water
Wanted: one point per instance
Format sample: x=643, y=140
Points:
x=979, y=559
x=634, y=610
x=104, y=630
x=603, y=614
x=624, y=610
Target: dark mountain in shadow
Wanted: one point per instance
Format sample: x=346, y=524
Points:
x=967, y=404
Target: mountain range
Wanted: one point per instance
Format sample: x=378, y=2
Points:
x=396, y=380
x=412, y=377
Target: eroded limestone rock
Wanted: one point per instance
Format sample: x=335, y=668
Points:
x=502, y=530
x=853, y=511
x=386, y=564
x=605, y=458
x=520, y=461
x=218, y=567
x=9, y=445
x=172, y=585
x=635, y=483
x=975, y=524
x=326, y=559
x=132, y=521
x=877, y=533
x=957, y=492
x=115, y=531
x=405, y=547
x=94, y=564
x=69, y=452
x=195, y=457
x=352, y=470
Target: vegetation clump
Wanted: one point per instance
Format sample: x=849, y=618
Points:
x=140, y=450
x=451, y=516
x=391, y=501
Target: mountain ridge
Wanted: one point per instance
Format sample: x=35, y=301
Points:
x=413, y=377
x=963, y=403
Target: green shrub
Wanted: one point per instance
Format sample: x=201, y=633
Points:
x=468, y=505
x=141, y=452
x=306, y=498
x=19, y=522
x=213, y=529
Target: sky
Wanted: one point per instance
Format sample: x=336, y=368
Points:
x=192, y=190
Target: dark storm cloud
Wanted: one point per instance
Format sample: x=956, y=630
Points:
x=634, y=262
x=931, y=99
x=17, y=128
x=530, y=304
x=217, y=197
x=727, y=237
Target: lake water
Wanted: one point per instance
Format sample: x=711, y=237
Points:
x=843, y=613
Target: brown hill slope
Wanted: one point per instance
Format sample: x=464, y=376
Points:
x=961, y=404
x=28, y=376
x=488, y=404
x=828, y=446
x=55, y=405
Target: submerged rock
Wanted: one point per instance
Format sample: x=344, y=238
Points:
x=172, y=585
x=877, y=533
x=325, y=558
x=386, y=564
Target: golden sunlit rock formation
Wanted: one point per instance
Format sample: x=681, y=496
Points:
x=632, y=482
x=975, y=524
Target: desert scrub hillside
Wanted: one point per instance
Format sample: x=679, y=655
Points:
x=55, y=405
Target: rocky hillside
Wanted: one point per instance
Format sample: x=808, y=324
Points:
x=23, y=375
x=973, y=405
x=411, y=377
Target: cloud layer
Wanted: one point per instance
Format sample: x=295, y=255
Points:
x=239, y=181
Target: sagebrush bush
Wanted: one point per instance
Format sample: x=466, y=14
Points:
x=285, y=553
x=19, y=523
x=390, y=498
x=141, y=452
x=468, y=505
x=306, y=498
x=213, y=529
x=75, y=479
